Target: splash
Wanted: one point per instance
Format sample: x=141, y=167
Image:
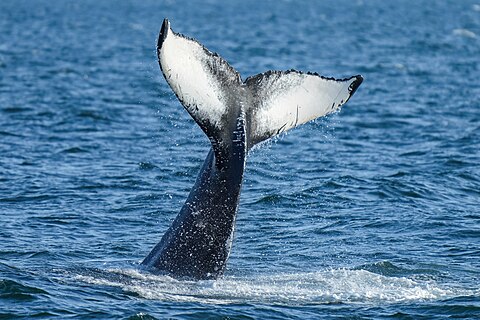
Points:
x=333, y=286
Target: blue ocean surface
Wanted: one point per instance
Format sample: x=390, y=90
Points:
x=370, y=213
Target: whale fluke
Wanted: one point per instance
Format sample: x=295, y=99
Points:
x=283, y=100
x=235, y=115
x=206, y=85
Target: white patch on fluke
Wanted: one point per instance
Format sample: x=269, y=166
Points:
x=289, y=99
x=185, y=66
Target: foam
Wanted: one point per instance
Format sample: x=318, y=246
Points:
x=333, y=286
x=464, y=33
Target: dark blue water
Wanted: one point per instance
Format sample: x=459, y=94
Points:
x=373, y=212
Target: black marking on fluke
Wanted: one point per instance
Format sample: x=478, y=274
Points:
x=163, y=33
x=354, y=85
x=197, y=244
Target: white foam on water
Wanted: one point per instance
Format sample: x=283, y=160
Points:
x=334, y=286
x=464, y=33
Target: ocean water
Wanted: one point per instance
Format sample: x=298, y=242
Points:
x=370, y=213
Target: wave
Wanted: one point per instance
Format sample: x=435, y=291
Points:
x=13, y=290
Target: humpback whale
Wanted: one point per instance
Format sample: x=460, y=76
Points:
x=235, y=115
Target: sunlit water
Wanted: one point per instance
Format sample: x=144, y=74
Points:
x=373, y=212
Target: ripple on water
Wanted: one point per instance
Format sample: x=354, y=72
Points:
x=12, y=290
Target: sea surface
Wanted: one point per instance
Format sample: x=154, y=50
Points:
x=370, y=213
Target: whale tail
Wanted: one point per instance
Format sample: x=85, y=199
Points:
x=267, y=104
x=235, y=115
